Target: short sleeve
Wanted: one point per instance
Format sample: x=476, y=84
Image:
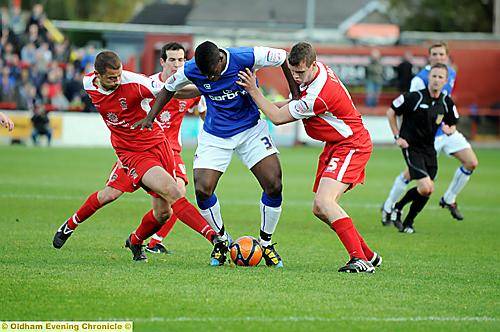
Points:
x=451, y=116
x=177, y=81
x=400, y=104
x=148, y=87
x=307, y=106
x=268, y=57
x=202, y=105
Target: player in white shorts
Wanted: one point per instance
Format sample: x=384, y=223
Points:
x=455, y=145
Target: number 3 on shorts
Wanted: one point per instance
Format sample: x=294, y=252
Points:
x=267, y=142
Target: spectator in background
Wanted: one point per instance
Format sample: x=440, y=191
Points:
x=27, y=97
x=41, y=125
x=88, y=58
x=28, y=54
x=33, y=36
x=405, y=72
x=7, y=86
x=6, y=122
x=374, y=79
x=37, y=18
x=17, y=21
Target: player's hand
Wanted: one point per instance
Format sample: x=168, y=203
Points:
x=144, y=123
x=6, y=122
x=402, y=143
x=248, y=80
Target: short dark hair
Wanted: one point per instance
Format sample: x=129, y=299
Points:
x=439, y=44
x=206, y=56
x=440, y=66
x=106, y=59
x=172, y=46
x=300, y=52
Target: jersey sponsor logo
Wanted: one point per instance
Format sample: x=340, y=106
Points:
x=123, y=103
x=165, y=118
x=112, y=117
x=207, y=86
x=227, y=95
x=398, y=101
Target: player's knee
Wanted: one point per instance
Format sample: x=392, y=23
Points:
x=203, y=191
x=319, y=208
x=162, y=215
x=274, y=188
x=426, y=189
x=471, y=164
x=108, y=195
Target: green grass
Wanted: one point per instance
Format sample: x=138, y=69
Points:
x=444, y=277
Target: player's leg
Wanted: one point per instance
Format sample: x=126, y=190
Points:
x=155, y=244
x=93, y=203
x=327, y=209
x=419, y=197
x=469, y=162
x=162, y=183
x=257, y=151
x=212, y=157
x=398, y=188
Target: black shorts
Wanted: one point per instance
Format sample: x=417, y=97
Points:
x=421, y=163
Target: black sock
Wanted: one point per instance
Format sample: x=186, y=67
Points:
x=265, y=236
x=415, y=208
x=407, y=198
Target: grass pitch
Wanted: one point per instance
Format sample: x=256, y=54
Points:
x=444, y=277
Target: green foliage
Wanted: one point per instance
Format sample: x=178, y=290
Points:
x=444, y=277
x=444, y=15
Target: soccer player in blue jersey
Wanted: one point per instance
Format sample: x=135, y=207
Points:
x=455, y=145
x=232, y=125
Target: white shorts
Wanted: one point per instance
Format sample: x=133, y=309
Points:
x=451, y=144
x=251, y=146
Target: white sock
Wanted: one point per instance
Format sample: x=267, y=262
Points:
x=214, y=218
x=157, y=237
x=398, y=188
x=460, y=179
x=269, y=217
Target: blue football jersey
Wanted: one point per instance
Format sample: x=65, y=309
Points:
x=230, y=110
x=422, y=78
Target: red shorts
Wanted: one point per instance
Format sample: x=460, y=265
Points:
x=137, y=163
x=344, y=164
x=180, y=167
x=119, y=180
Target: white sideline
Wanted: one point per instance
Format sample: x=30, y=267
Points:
x=246, y=202
x=309, y=319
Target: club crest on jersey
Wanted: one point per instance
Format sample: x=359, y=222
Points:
x=112, y=117
x=182, y=106
x=207, y=86
x=123, y=103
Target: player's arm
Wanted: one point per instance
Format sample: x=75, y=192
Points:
x=187, y=92
x=6, y=122
x=450, y=117
x=274, y=57
x=277, y=115
x=397, y=108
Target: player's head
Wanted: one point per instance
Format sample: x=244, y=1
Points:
x=438, y=76
x=438, y=53
x=302, y=60
x=173, y=56
x=108, y=69
x=209, y=60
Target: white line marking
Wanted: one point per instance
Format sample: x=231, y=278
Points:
x=308, y=319
x=305, y=203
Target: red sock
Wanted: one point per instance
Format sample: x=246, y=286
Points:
x=367, y=251
x=149, y=225
x=348, y=236
x=188, y=214
x=163, y=232
x=88, y=208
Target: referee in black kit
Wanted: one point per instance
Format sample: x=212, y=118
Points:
x=422, y=112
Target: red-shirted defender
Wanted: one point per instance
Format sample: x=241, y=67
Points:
x=329, y=115
x=146, y=156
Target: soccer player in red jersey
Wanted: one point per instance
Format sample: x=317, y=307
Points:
x=120, y=97
x=329, y=115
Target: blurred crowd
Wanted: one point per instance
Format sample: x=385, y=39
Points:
x=40, y=70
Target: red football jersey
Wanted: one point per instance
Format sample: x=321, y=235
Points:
x=123, y=107
x=327, y=110
x=172, y=114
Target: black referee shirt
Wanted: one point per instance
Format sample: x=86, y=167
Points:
x=422, y=116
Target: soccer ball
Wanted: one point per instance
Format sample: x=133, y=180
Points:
x=246, y=251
